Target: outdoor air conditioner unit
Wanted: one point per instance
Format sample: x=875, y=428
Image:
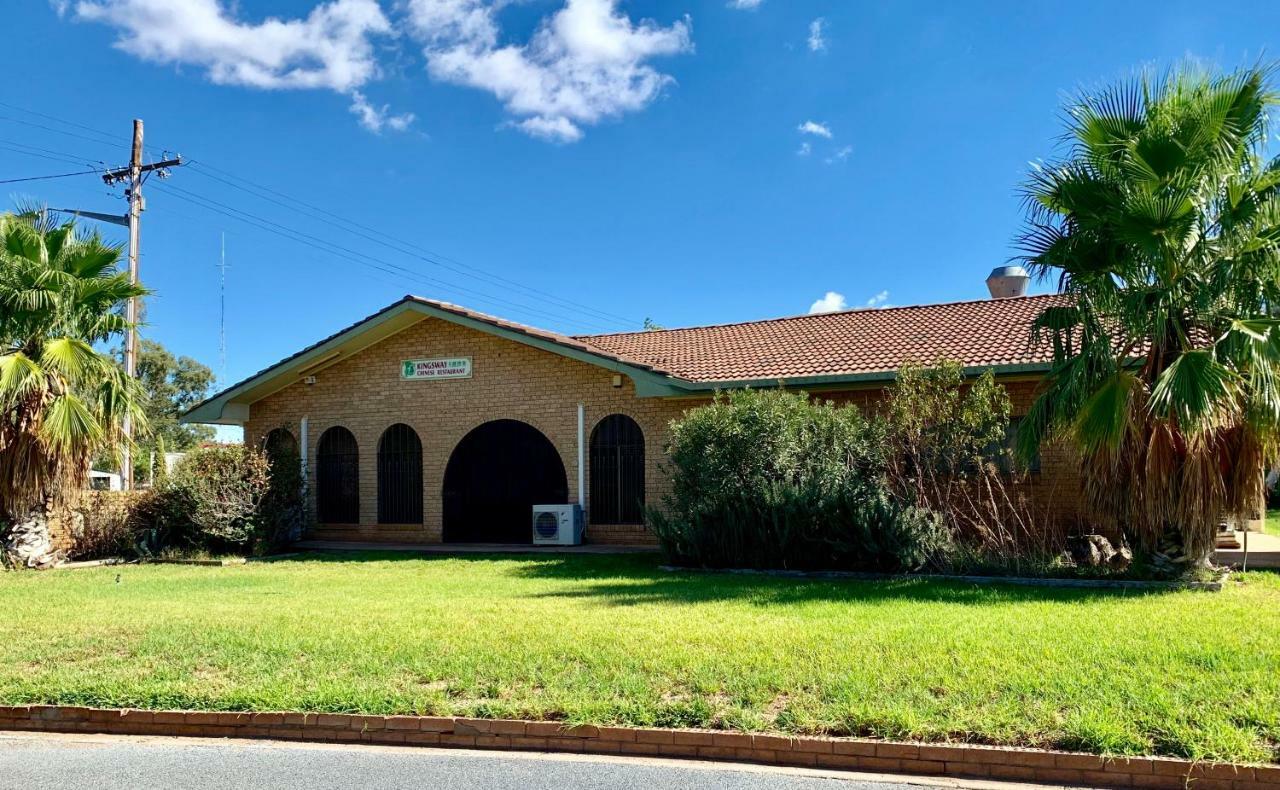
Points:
x=557, y=525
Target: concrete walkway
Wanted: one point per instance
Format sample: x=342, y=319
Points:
x=1264, y=551
x=469, y=548
x=42, y=761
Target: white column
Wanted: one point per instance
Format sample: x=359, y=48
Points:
x=303, y=447
x=582, y=471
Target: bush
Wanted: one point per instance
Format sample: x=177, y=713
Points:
x=282, y=511
x=210, y=502
x=224, y=486
x=99, y=525
x=947, y=449
x=772, y=480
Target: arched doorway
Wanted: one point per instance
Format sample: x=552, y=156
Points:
x=495, y=475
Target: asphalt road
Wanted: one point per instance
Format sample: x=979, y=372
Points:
x=66, y=762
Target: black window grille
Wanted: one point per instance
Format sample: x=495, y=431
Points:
x=399, y=476
x=337, y=477
x=617, y=471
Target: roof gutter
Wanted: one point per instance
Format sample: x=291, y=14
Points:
x=873, y=377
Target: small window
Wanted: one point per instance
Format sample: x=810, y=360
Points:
x=399, y=476
x=1004, y=455
x=337, y=477
x=280, y=446
x=617, y=471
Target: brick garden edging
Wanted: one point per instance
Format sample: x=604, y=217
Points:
x=985, y=762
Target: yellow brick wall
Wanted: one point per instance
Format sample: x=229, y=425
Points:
x=510, y=380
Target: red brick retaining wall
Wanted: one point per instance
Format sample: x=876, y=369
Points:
x=988, y=762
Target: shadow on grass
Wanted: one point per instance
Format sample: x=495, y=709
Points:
x=634, y=579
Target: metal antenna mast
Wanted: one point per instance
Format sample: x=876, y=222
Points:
x=222, y=311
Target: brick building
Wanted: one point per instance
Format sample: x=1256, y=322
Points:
x=428, y=422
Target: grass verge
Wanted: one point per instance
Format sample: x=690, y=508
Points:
x=612, y=639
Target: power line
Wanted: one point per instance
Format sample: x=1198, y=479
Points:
x=345, y=253
x=355, y=228
x=49, y=153
x=400, y=273
x=399, y=245
x=62, y=159
x=54, y=130
x=45, y=178
x=110, y=140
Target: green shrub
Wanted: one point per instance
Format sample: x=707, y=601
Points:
x=772, y=480
x=210, y=502
x=281, y=512
x=880, y=533
x=226, y=484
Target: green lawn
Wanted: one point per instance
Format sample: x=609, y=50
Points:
x=1271, y=525
x=614, y=639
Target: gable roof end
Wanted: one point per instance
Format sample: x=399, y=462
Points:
x=231, y=405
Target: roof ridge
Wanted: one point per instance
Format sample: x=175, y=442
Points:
x=802, y=316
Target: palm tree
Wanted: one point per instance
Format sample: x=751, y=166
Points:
x=61, y=399
x=1162, y=226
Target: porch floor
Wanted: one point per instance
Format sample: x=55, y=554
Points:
x=471, y=548
x=1264, y=552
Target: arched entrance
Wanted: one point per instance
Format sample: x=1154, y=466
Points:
x=495, y=475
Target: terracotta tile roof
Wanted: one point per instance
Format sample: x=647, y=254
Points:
x=978, y=333
x=582, y=343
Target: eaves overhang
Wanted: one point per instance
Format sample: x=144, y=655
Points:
x=231, y=405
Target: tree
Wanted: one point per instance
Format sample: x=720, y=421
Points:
x=1162, y=226
x=61, y=399
x=171, y=385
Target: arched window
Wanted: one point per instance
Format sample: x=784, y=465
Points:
x=337, y=477
x=617, y=471
x=399, y=476
x=280, y=446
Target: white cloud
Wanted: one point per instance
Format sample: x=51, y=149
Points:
x=840, y=155
x=814, y=128
x=834, y=302
x=375, y=119
x=805, y=149
x=830, y=303
x=557, y=130
x=745, y=5
x=330, y=48
x=817, y=39
x=584, y=63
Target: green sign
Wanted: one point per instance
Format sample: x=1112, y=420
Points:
x=435, y=369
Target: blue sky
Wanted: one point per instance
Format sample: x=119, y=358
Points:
x=688, y=161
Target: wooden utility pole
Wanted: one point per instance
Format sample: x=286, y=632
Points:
x=131, y=310
x=134, y=173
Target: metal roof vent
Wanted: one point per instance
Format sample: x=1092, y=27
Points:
x=1008, y=281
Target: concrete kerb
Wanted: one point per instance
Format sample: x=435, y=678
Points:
x=854, y=754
